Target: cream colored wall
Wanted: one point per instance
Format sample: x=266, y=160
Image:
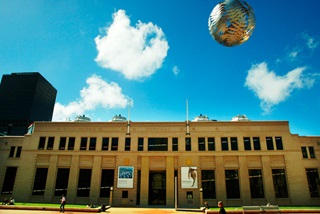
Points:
x=290, y=159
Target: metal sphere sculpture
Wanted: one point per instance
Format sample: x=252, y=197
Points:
x=232, y=22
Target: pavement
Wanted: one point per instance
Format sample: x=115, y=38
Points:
x=112, y=210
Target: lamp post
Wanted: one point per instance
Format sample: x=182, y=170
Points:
x=201, y=197
x=111, y=195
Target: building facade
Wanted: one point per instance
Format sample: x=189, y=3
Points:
x=172, y=164
x=24, y=98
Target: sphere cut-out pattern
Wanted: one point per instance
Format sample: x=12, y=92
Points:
x=232, y=22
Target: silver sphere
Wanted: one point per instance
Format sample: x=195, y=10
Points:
x=232, y=22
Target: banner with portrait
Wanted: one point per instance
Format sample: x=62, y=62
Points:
x=125, y=176
x=189, y=177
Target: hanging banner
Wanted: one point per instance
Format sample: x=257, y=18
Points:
x=189, y=177
x=125, y=176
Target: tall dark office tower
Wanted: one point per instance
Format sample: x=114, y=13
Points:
x=24, y=98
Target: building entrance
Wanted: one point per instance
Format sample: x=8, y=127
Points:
x=157, y=188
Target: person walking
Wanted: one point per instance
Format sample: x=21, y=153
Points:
x=62, y=203
x=222, y=210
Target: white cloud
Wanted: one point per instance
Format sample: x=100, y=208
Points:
x=272, y=89
x=176, y=70
x=98, y=94
x=136, y=52
x=311, y=43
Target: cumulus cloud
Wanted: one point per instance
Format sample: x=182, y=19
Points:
x=135, y=51
x=98, y=94
x=272, y=89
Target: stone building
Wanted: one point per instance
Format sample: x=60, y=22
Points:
x=183, y=164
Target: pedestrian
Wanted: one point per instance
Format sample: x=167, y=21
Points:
x=62, y=203
x=12, y=201
x=222, y=210
x=206, y=207
x=5, y=201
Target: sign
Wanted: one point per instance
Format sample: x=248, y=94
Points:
x=189, y=177
x=125, y=176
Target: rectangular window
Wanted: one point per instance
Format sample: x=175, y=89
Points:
x=114, y=144
x=256, y=184
x=247, y=143
x=105, y=143
x=157, y=144
x=304, y=152
x=232, y=184
x=280, y=183
x=62, y=182
x=83, y=143
x=269, y=142
x=9, y=179
x=256, y=143
x=12, y=149
x=140, y=144
x=211, y=144
x=208, y=184
x=188, y=144
x=92, y=144
x=314, y=183
x=62, y=144
x=279, y=144
x=127, y=144
x=234, y=143
x=125, y=194
x=107, y=180
x=311, y=152
x=71, y=143
x=19, y=149
x=201, y=144
x=42, y=142
x=224, y=144
x=40, y=180
x=174, y=144
x=50, y=143
x=84, y=181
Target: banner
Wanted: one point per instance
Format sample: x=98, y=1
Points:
x=125, y=176
x=189, y=177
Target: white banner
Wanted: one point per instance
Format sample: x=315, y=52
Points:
x=189, y=177
x=125, y=176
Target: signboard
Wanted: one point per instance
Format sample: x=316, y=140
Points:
x=125, y=176
x=189, y=177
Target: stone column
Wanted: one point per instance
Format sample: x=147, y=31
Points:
x=73, y=179
x=144, y=196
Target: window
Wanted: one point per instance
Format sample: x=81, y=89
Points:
x=107, y=179
x=313, y=181
x=174, y=144
x=157, y=144
x=12, y=149
x=84, y=181
x=42, y=142
x=256, y=143
x=269, y=142
x=140, y=144
x=308, y=152
x=62, y=182
x=114, y=144
x=50, y=143
x=105, y=143
x=71, y=143
x=279, y=144
x=62, y=145
x=280, y=183
x=40, y=181
x=211, y=144
x=201, y=144
x=92, y=144
x=208, y=184
x=224, y=144
x=188, y=144
x=127, y=144
x=83, y=143
x=125, y=194
x=232, y=184
x=256, y=184
x=234, y=143
x=9, y=180
x=247, y=143
x=19, y=149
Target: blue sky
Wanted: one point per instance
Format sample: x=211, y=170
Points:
x=100, y=55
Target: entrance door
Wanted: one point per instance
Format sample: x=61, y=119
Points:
x=157, y=188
